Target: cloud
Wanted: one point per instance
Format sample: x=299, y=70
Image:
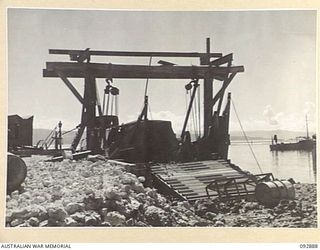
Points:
x=309, y=108
x=271, y=116
x=271, y=120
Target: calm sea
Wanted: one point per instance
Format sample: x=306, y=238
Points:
x=284, y=165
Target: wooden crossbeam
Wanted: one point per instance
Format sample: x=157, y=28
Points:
x=100, y=70
x=131, y=53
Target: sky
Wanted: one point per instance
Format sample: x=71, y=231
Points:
x=276, y=48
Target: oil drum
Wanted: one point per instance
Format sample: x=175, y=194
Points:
x=16, y=172
x=270, y=193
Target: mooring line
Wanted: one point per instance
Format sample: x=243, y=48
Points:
x=245, y=136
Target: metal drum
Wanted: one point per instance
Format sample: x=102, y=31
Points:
x=270, y=193
x=16, y=172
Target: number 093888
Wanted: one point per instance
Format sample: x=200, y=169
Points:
x=308, y=245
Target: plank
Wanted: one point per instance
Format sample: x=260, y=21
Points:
x=102, y=70
x=198, y=168
x=132, y=53
x=202, y=175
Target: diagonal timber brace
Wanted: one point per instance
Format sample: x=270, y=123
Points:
x=222, y=60
x=224, y=86
x=222, y=90
x=69, y=85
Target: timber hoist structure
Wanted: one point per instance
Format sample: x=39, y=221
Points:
x=147, y=140
x=186, y=169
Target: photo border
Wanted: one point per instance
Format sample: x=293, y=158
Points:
x=156, y=235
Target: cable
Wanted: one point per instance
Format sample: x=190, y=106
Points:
x=66, y=132
x=107, y=89
x=108, y=99
x=196, y=116
x=150, y=111
x=104, y=103
x=191, y=127
x=245, y=136
x=192, y=115
x=147, y=82
x=52, y=131
x=117, y=105
x=112, y=101
x=186, y=99
x=199, y=111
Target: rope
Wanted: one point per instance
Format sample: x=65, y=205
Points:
x=107, y=109
x=199, y=113
x=192, y=116
x=186, y=99
x=149, y=108
x=245, y=136
x=66, y=132
x=117, y=106
x=147, y=82
x=49, y=135
x=104, y=103
x=112, y=101
x=196, y=116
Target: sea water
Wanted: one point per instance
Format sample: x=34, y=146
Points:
x=283, y=165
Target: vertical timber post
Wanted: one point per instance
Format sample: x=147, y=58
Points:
x=225, y=141
x=90, y=109
x=207, y=95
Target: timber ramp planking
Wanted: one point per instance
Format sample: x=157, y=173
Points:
x=189, y=180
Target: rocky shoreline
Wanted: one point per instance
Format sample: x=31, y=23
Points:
x=85, y=193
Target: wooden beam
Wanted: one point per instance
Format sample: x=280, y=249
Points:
x=207, y=108
x=70, y=86
x=131, y=53
x=208, y=92
x=78, y=136
x=100, y=70
x=90, y=99
x=224, y=86
x=222, y=60
x=221, y=91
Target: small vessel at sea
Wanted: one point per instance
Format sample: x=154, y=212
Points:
x=305, y=143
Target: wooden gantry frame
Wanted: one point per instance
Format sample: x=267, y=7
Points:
x=213, y=66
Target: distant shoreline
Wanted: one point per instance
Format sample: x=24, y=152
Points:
x=235, y=136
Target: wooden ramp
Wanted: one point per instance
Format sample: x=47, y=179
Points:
x=189, y=180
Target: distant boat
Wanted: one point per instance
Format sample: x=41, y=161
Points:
x=302, y=143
